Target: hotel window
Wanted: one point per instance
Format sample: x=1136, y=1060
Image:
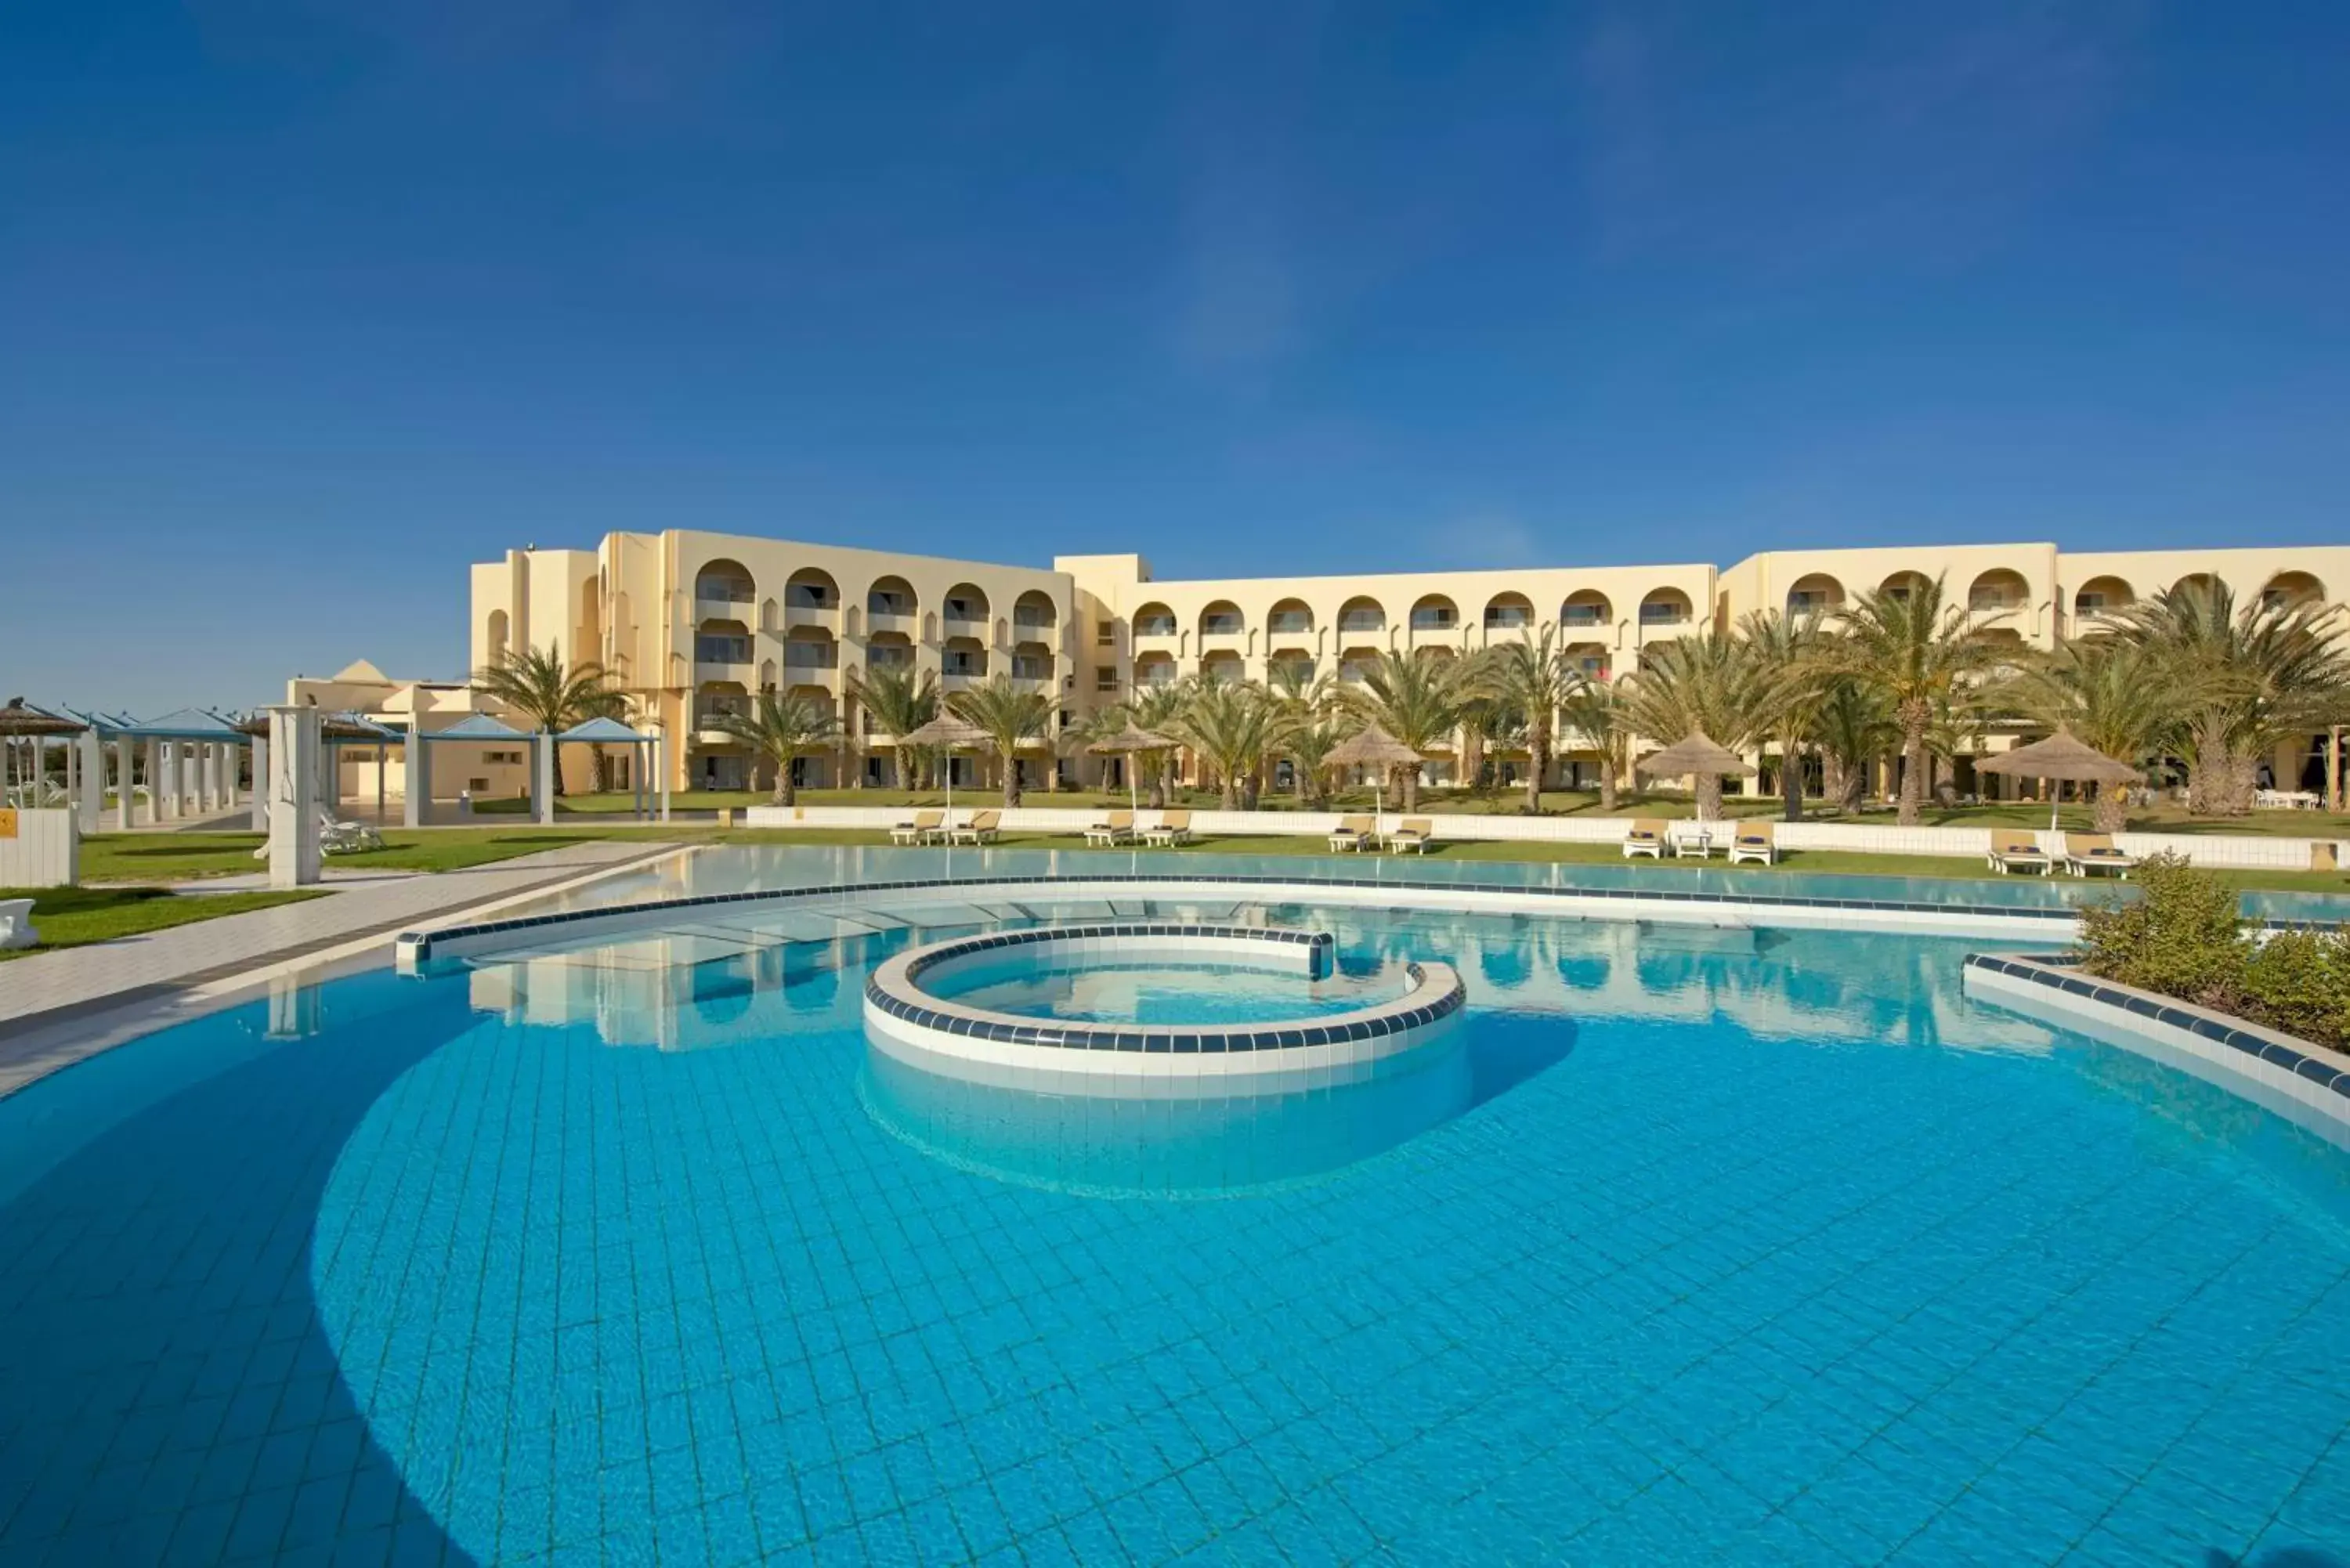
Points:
x=709, y=649
x=1105, y=679
x=1433, y=617
x=958, y=661
x=1155, y=626
x=1505, y=616
x=1581, y=615
x=890, y=656
x=1028, y=667
x=1807, y=601
x=1223, y=623
x=961, y=609
x=1105, y=634
x=1291, y=621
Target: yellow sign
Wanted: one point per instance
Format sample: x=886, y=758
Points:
x=7, y=824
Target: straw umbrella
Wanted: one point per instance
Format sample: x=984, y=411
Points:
x=1696, y=755
x=953, y=734
x=20, y=723
x=2061, y=759
x=1374, y=747
x=1125, y=743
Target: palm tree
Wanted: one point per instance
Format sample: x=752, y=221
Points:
x=1158, y=708
x=783, y=726
x=1853, y=724
x=897, y=700
x=2116, y=697
x=1794, y=681
x=2258, y=675
x=1534, y=680
x=1710, y=683
x=1597, y=714
x=536, y=684
x=1235, y=726
x=1010, y=716
x=1308, y=742
x=604, y=703
x=1419, y=699
x=1923, y=654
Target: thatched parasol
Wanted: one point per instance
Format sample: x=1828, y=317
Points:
x=1374, y=747
x=950, y=735
x=34, y=724
x=2061, y=759
x=17, y=720
x=1695, y=755
x=1125, y=743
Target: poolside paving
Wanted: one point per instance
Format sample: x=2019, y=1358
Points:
x=43, y=996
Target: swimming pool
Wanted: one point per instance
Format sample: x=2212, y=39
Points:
x=1692, y=1244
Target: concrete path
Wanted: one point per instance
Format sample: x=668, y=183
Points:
x=44, y=999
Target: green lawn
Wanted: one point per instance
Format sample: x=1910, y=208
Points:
x=1505, y=802
x=177, y=856
x=74, y=916
x=1831, y=862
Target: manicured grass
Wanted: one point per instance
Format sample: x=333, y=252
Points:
x=75, y=916
x=2162, y=818
x=176, y=856
x=1829, y=862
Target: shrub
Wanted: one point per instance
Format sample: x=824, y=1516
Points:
x=2182, y=937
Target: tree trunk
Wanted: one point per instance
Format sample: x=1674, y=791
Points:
x=1409, y=787
x=1011, y=777
x=785, y=795
x=1708, y=798
x=1606, y=785
x=2112, y=813
x=1791, y=782
x=1229, y=792
x=1159, y=784
x=1537, y=763
x=1913, y=765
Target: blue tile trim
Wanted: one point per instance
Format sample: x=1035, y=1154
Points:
x=1414, y=1009
x=2315, y=1064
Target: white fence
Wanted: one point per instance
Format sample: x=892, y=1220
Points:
x=45, y=852
x=2237, y=852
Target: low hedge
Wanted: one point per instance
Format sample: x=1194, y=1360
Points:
x=2183, y=937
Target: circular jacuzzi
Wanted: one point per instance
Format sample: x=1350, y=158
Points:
x=911, y=1005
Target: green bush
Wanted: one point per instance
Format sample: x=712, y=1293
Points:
x=2182, y=937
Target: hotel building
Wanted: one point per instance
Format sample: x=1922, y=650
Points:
x=693, y=624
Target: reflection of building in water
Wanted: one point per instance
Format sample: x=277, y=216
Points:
x=650, y=992
x=1782, y=984
x=294, y=1006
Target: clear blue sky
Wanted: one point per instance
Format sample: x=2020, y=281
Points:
x=305, y=306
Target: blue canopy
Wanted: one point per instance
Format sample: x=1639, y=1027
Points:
x=474, y=727
x=605, y=731
x=182, y=725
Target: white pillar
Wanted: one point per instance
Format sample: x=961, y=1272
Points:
x=208, y=784
x=419, y=769
x=661, y=760
x=382, y=755
x=260, y=802
x=293, y=796
x=232, y=760
x=155, y=797
x=122, y=761
x=542, y=778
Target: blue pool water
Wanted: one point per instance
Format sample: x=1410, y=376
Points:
x=1689, y=1246
x=1142, y=992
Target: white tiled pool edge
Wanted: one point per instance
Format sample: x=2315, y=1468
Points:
x=2306, y=1083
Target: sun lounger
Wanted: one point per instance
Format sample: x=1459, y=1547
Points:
x=1755, y=841
x=1112, y=831
x=346, y=837
x=1645, y=838
x=919, y=829
x=1352, y=832
x=2085, y=853
x=1413, y=836
x=1174, y=827
x=2011, y=849
x=981, y=829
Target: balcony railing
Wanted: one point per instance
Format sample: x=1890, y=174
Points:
x=1032, y=669
x=714, y=590
x=722, y=649
x=1508, y=619
x=1433, y=620
x=1157, y=626
x=1663, y=615
x=1582, y=615
x=1024, y=621
x=1359, y=622
x=1292, y=623
x=1221, y=625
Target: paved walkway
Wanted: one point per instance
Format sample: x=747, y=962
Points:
x=44, y=998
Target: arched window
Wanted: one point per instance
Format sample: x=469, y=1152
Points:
x=1586, y=610
x=1360, y=615
x=1998, y=590
x=723, y=582
x=1222, y=618
x=2102, y=596
x=497, y=636
x=1033, y=617
x=2287, y=590
x=811, y=588
x=1290, y=618
x=966, y=610
x=1815, y=592
x=1434, y=612
x=1154, y=621
x=1509, y=612
x=1666, y=607
x=890, y=604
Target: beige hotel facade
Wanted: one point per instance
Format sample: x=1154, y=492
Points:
x=694, y=624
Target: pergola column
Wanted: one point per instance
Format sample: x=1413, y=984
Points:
x=156, y=798
x=294, y=858
x=209, y=754
x=261, y=784
x=542, y=778
x=419, y=769
x=122, y=771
